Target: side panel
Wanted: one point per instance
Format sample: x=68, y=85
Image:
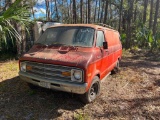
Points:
x=109, y=35
x=101, y=55
x=117, y=47
x=114, y=47
x=104, y=60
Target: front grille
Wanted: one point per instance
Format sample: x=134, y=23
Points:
x=49, y=71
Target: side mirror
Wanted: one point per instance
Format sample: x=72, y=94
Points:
x=105, y=45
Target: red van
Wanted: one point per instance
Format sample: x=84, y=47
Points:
x=73, y=58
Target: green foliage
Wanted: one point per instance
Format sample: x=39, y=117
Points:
x=157, y=40
x=144, y=38
x=81, y=116
x=123, y=38
x=17, y=15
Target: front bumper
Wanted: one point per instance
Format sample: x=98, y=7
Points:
x=78, y=88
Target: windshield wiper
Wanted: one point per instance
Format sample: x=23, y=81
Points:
x=42, y=44
x=38, y=43
x=72, y=46
x=57, y=44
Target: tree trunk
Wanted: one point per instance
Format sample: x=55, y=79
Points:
x=32, y=10
x=86, y=11
x=111, y=16
x=71, y=12
x=47, y=10
x=63, y=14
x=56, y=8
x=151, y=15
x=120, y=16
x=89, y=11
x=95, y=11
x=23, y=40
x=81, y=10
x=123, y=24
x=51, y=8
x=99, y=10
x=155, y=18
x=106, y=12
x=101, y=17
x=145, y=11
x=128, y=40
x=74, y=12
x=135, y=11
x=19, y=40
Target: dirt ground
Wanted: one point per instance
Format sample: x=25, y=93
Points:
x=132, y=94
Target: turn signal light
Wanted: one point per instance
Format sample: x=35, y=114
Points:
x=29, y=67
x=66, y=73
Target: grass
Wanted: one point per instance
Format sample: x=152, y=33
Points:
x=81, y=116
x=8, y=69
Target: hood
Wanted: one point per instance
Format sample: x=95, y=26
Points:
x=62, y=55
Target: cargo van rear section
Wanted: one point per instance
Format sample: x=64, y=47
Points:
x=114, y=46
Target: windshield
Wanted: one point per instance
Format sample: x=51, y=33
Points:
x=71, y=36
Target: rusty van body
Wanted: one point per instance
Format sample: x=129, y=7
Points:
x=72, y=58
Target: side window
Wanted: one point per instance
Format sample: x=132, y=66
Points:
x=100, y=39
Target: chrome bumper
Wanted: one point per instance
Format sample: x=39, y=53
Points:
x=79, y=88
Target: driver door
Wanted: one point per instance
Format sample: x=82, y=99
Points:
x=101, y=54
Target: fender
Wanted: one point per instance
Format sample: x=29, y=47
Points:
x=90, y=78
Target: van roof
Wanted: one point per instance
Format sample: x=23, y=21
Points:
x=85, y=25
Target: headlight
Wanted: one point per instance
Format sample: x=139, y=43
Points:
x=23, y=66
x=76, y=75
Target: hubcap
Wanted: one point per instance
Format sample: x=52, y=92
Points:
x=94, y=91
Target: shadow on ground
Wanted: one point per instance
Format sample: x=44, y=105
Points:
x=138, y=108
x=142, y=60
x=20, y=102
x=157, y=83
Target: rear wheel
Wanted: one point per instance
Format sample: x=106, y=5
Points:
x=116, y=68
x=93, y=91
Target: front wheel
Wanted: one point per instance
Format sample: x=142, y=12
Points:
x=93, y=91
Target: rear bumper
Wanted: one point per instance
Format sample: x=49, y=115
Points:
x=78, y=88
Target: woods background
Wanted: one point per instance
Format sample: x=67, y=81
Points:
x=138, y=21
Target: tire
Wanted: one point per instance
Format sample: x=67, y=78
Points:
x=93, y=91
x=116, y=68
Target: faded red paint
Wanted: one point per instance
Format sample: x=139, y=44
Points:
x=93, y=60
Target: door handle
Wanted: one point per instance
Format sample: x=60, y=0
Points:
x=98, y=56
x=106, y=50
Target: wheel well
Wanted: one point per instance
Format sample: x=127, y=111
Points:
x=119, y=58
x=98, y=75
